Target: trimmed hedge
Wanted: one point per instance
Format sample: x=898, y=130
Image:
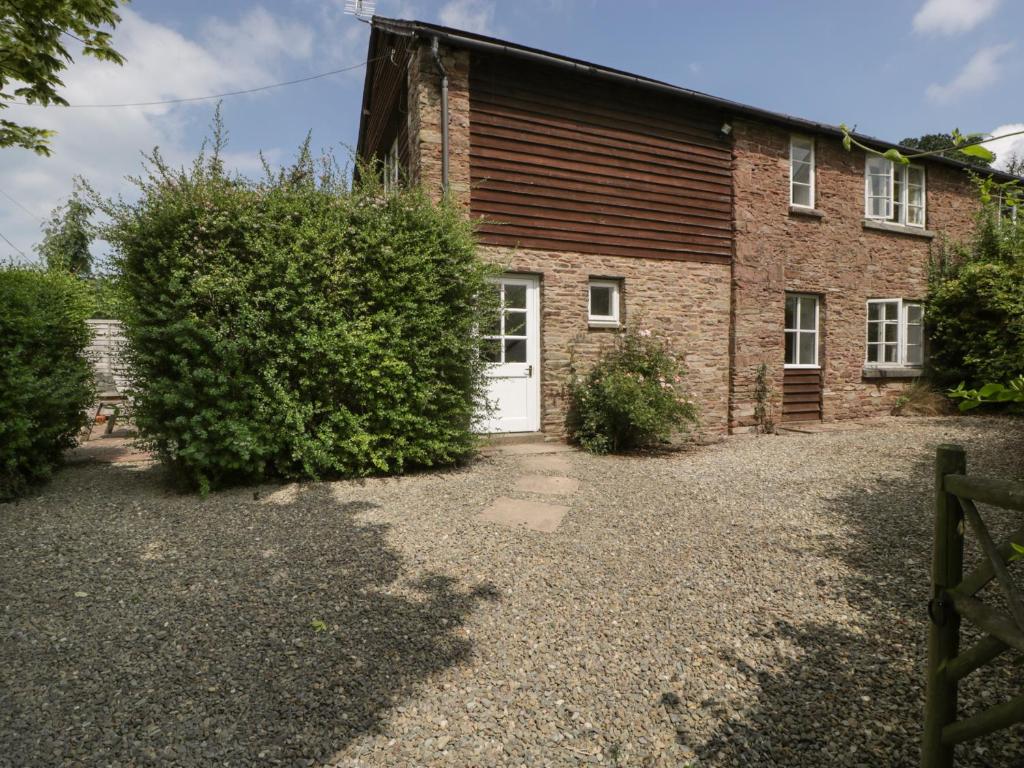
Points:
x=293, y=328
x=46, y=383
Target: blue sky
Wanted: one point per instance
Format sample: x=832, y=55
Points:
x=894, y=68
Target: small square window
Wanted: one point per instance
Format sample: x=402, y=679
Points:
x=603, y=304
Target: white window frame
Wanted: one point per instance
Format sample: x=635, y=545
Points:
x=894, y=171
x=392, y=173
x=603, y=320
x=793, y=139
x=816, y=365
x=902, y=306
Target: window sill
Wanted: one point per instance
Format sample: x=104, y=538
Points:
x=811, y=213
x=893, y=372
x=899, y=229
x=603, y=324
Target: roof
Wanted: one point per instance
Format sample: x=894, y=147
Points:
x=470, y=40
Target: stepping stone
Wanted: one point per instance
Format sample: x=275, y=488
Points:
x=551, y=462
x=547, y=484
x=535, y=515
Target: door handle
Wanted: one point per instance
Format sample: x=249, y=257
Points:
x=529, y=371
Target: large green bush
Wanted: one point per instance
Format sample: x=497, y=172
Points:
x=631, y=398
x=975, y=311
x=45, y=381
x=294, y=328
x=976, y=325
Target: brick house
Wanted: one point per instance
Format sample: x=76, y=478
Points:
x=744, y=236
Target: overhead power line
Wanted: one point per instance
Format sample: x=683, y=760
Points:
x=4, y=238
x=24, y=208
x=211, y=96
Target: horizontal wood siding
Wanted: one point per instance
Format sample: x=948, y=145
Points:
x=566, y=162
x=801, y=394
x=387, y=101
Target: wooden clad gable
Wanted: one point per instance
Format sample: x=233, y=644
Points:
x=561, y=161
x=387, y=98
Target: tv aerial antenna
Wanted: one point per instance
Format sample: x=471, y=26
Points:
x=361, y=9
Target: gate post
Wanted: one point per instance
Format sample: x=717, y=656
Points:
x=944, y=629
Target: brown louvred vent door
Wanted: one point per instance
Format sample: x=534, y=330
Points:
x=801, y=395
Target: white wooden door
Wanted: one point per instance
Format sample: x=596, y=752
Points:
x=511, y=344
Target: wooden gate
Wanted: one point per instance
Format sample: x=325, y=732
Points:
x=954, y=597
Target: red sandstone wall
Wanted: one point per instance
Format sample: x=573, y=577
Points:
x=833, y=255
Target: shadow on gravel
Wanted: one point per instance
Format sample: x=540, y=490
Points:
x=823, y=707
x=147, y=629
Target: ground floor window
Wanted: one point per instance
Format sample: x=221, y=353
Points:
x=603, y=302
x=895, y=332
x=801, y=330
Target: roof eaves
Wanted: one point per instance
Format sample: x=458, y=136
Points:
x=459, y=38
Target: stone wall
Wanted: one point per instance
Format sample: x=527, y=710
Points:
x=833, y=255
x=686, y=302
x=425, y=122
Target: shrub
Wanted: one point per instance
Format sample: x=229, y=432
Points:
x=975, y=310
x=1009, y=396
x=764, y=394
x=920, y=398
x=975, y=324
x=631, y=398
x=294, y=328
x=45, y=380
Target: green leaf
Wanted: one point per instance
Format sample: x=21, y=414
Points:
x=968, y=405
x=1018, y=552
x=990, y=389
x=976, y=150
x=895, y=156
x=847, y=142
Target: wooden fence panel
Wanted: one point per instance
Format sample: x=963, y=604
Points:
x=105, y=354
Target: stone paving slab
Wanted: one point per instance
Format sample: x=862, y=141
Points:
x=549, y=484
x=548, y=462
x=535, y=515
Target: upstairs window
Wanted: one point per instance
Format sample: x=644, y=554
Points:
x=392, y=170
x=801, y=171
x=894, y=192
x=895, y=333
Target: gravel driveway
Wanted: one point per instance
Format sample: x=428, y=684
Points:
x=759, y=602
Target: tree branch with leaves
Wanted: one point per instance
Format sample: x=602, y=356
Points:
x=33, y=55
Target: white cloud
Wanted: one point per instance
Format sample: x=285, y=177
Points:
x=104, y=145
x=1005, y=149
x=469, y=15
x=950, y=17
x=981, y=71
